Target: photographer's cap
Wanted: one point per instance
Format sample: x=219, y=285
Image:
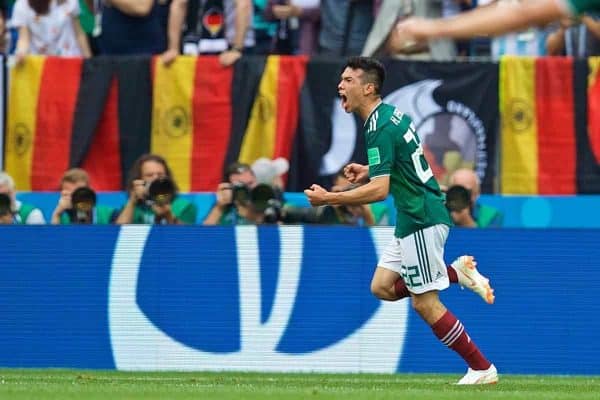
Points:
x=266, y=170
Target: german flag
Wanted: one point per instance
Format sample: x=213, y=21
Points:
x=66, y=112
x=587, y=108
x=192, y=119
x=538, y=154
x=274, y=114
x=42, y=99
x=206, y=116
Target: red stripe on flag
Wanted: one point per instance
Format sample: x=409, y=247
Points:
x=211, y=123
x=103, y=161
x=292, y=71
x=556, y=125
x=56, y=106
x=594, y=116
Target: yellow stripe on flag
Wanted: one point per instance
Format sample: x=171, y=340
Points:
x=22, y=113
x=259, y=140
x=519, y=160
x=594, y=66
x=172, y=116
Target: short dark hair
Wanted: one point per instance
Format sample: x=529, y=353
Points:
x=374, y=71
x=236, y=168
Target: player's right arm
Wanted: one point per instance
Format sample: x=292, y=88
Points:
x=177, y=14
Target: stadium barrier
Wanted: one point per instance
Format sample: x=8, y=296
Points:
x=284, y=299
x=518, y=211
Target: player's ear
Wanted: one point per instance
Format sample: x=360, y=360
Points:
x=369, y=88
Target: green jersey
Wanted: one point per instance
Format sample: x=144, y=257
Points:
x=581, y=6
x=394, y=149
x=182, y=209
x=101, y=215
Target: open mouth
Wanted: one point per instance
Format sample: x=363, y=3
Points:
x=344, y=100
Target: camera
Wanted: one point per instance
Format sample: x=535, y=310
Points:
x=458, y=198
x=263, y=198
x=160, y=191
x=83, y=201
x=5, y=205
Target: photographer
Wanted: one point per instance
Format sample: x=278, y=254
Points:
x=84, y=209
x=153, y=195
x=7, y=216
x=22, y=213
x=459, y=205
x=226, y=211
x=77, y=203
x=483, y=215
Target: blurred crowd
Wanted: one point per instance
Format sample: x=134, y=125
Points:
x=232, y=28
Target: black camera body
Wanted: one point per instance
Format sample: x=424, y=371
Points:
x=263, y=198
x=160, y=191
x=83, y=201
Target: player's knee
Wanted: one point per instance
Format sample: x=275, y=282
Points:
x=379, y=291
x=420, y=305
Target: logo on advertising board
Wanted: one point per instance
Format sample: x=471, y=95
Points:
x=227, y=300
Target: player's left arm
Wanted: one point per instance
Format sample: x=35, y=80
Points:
x=376, y=190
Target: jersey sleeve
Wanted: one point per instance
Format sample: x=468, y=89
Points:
x=380, y=152
x=576, y=7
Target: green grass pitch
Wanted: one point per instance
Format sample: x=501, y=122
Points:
x=16, y=384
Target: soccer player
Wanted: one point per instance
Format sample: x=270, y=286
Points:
x=413, y=262
x=491, y=20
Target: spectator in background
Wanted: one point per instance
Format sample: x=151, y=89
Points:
x=22, y=213
x=226, y=211
x=74, y=203
x=383, y=39
x=576, y=37
x=451, y=8
x=90, y=21
x=153, y=195
x=4, y=35
x=264, y=29
x=7, y=216
x=132, y=27
x=297, y=25
x=530, y=42
x=49, y=27
x=477, y=215
x=211, y=27
x=345, y=25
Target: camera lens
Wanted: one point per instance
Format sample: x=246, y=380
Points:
x=161, y=191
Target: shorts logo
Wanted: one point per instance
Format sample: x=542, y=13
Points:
x=373, y=156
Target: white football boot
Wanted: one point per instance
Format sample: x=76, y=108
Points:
x=469, y=277
x=473, y=377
